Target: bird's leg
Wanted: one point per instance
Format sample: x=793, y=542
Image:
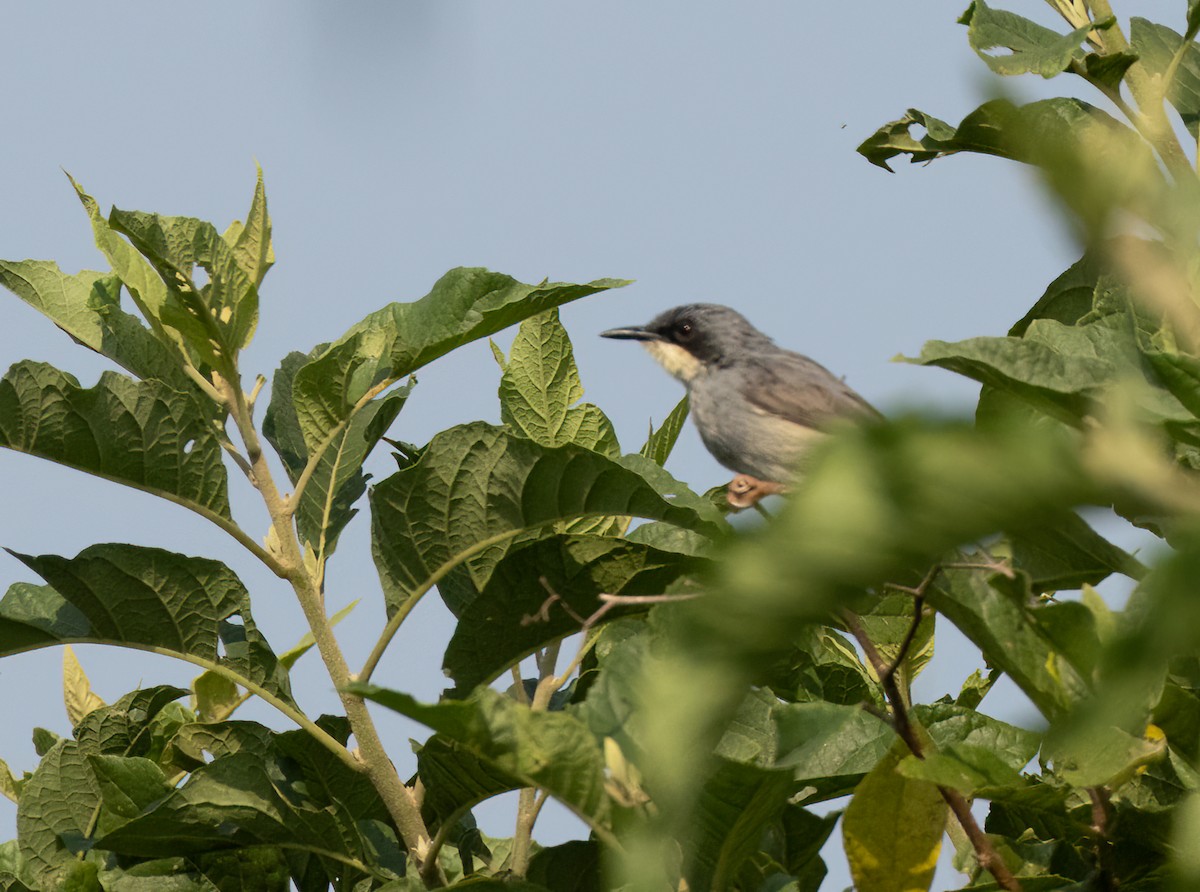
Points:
x=745, y=491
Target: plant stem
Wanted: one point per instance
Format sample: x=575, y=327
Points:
x=985, y=852
x=529, y=804
x=1148, y=96
x=376, y=764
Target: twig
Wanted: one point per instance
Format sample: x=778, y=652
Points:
x=985, y=852
x=1101, y=814
x=607, y=603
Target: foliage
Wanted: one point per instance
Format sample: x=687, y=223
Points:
x=728, y=685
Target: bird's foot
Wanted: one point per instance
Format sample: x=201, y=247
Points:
x=745, y=491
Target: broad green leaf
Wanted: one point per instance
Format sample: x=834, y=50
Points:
x=511, y=618
x=1064, y=552
x=145, y=287
x=61, y=801
x=660, y=443
x=464, y=305
x=951, y=726
x=968, y=769
x=824, y=666
x=1069, y=297
x=892, y=830
x=143, y=434
x=551, y=750
x=735, y=805
x=251, y=241
x=191, y=608
x=540, y=389
x=337, y=482
x=1156, y=45
x=1006, y=635
x=235, y=802
x=214, y=697
x=572, y=866
x=456, y=777
x=1093, y=757
x=127, y=785
x=1041, y=132
x=476, y=487
x=1034, y=48
x=887, y=622
x=1108, y=69
x=830, y=747
x=58, y=803
x=216, y=319
x=220, y=739
x=87, y=307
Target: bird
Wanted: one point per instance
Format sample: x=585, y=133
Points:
x=758, y=407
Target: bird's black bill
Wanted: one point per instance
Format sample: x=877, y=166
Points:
x=630, y=334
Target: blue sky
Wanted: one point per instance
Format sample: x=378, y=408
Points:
x=704, y=149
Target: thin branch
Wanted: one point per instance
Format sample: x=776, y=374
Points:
x=1101, y=817
x=985, y=852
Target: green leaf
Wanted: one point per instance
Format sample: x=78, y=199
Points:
x=551, y=750
x=127, y=784
x=455, y=777
x=573, y=866
x=289, y=657
x=968, y=769
x=540, y=386
x=1092, y=756
x=476, y=487
x=1066, y=553
x=143, y=434
x=1042, y=132
x=1156, y=45
x=215, y=320
x=824, y=666
x=251, y=241
x=234, y=802
x=464, y=305
x=661, y=442
x=511, y=618
x=735, y=805
x=1007, y=636
x=830, y=747
x=892, y=829
x=191, y=608
x=56, y=809
x=337, y=482
x=1035, y=48
x=87, y=307
x=1071, y=296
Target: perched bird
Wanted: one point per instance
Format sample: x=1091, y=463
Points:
x=758, y=407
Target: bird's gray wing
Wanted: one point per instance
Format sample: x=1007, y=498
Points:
x=800, y=390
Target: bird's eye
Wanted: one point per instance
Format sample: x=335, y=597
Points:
x=684, y=331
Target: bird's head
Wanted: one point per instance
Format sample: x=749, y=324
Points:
x=690, y=339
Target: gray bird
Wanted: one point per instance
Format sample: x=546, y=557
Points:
x=758, y=407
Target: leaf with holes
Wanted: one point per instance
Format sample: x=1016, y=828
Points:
x=191, y=608
x=477, y=487
x=216, y=319
x=1033, y=48
x=143, y=434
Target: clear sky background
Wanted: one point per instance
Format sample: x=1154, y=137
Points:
x=704, y=149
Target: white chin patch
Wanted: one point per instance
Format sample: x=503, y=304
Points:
x=674, y=359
